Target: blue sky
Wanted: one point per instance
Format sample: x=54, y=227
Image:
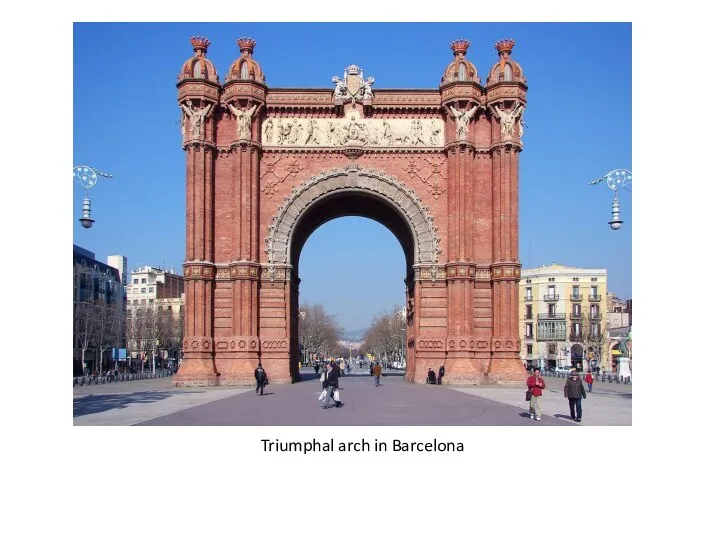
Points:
x=125, y=122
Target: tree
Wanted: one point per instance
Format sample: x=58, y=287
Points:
x=85, y=327
x=107, y=323
x=385, y=339
x=318, y=331
x=594, y=335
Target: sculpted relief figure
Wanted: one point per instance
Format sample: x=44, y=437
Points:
x=313, y=135
x=366, y=90
x=434, y=132
x=196, y=117
x=507, y=120
x=416, y=133
x=269, y=131
x=387, y=136
x=462, y=119
x=243, y=118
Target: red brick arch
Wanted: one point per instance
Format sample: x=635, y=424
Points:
x=445, y=184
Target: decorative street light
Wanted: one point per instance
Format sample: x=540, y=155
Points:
x=87, y=177
x=618, y=178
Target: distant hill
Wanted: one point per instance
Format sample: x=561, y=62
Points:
x=353, y=335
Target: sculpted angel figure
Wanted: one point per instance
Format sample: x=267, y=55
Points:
x=462, y=119
x=196, y=117
x=507, y=120
x=243, y=117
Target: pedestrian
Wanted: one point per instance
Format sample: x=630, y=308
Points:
x=441, y=374
x=574, y=391
x=431, y=378
x=535, y=384
x=589, y=381
x=260, y=379
x=342, y=367
x=331, y=384
x=316, y=367
x=377, y=372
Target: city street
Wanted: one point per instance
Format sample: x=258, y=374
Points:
x=156, y=402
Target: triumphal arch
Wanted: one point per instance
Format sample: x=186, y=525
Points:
x=267, y=166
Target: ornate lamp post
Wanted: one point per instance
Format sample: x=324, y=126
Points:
x=617, y=178
x=87, y=177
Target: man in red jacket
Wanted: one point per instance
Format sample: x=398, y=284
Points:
x=535, y=385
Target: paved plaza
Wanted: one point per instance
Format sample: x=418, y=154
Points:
x=155, y=402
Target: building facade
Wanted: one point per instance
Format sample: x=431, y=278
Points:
x=98, y=312
x=563, y=316
x=155, y=316
x=265, y=167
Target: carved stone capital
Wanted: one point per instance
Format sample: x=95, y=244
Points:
x=505, y=271
x=202, y=270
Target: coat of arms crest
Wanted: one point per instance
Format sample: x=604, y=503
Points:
x=353, y=87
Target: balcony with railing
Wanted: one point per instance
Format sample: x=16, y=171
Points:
x=575, y=336
x=551, y=316
x=596, y=316
x=551, y=297
x=528, y=316
x=528, y=298
x=594, y=297
x=576, y=316
x=576, y=297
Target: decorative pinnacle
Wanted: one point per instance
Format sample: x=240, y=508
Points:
x=505, y=45
x=247, y=45
x=200, y=43
x=460, y=46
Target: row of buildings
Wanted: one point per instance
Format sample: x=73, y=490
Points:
x=133, y=321
x=567, y=316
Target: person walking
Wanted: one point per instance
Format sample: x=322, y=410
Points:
x=441, y=374
x=535, y=384
x=260, y=379
x=331, y=384
x=377, y=373
x=574, y=391
x=589, y=380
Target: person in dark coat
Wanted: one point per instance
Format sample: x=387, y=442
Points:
x=331, y=383
x=441, y=374
x=260, y=379
x=431, y=378
x=574, y=391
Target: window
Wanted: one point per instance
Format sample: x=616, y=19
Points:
x=528, y=293
x=143, y=301
x=551, y=310
x=528, y=330
x=151, y=289
x=135, y=302
x=594, y=310
x=529, y=349
x=551, y=291
x=528, y=281
x=595, y=330
x=576, y=290
x=593, y=279
x=135, y=281
x=593, y=291
x=576, y=279
x=552, y=348
x=576, y=310
x=151, y=301
x=143, y=290
x=528, y=312
x=576, y=330
x=143, y=281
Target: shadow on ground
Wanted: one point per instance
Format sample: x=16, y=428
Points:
x=96, y=403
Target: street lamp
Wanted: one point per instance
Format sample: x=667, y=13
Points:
x=87, y=177
x=617, y=178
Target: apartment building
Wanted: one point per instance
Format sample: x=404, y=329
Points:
x=563, y=316
x=95, y=284
x=155, y=291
